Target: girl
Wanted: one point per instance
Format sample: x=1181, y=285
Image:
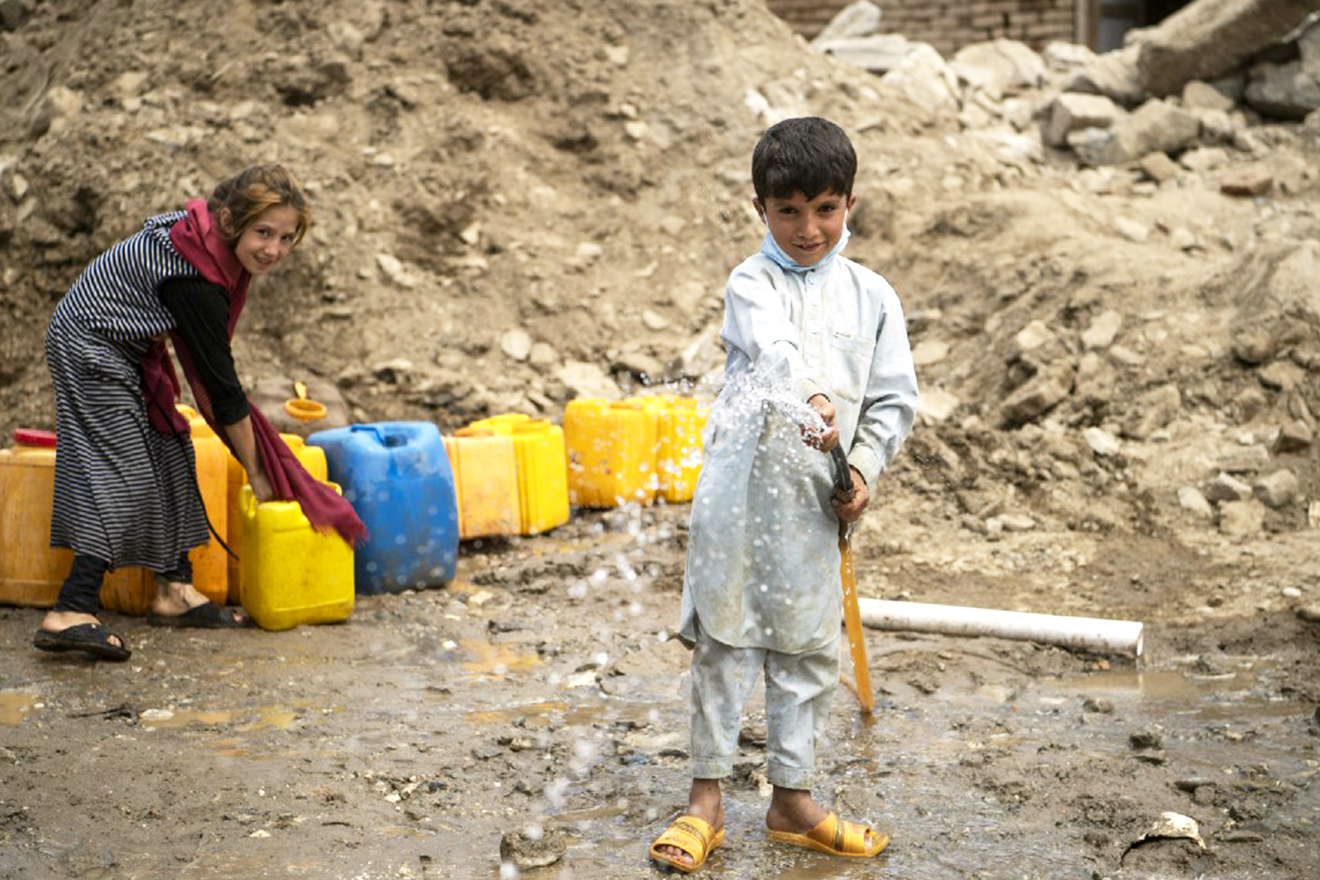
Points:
x=125, y=484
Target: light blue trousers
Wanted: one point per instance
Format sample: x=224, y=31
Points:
x=798, y=691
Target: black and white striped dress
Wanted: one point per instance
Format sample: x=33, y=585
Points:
x=124, y=492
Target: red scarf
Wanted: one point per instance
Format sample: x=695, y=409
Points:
x=198, y=240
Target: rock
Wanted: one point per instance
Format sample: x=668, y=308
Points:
x=516, y=344
x=1030, y=338
x=1241, y=519
x=1173, y=826
x=924, y=78
x=1152, y=411
x=1284, y=91
x=1197, y=95
x=59, y=103
x=1247, y=460
x=1131, y=230
x=1103, y=329
x=929, y=351
x=587, y=380
x=1217, y=126
x=857, y=19
x=13, y=13
x=653, y=320
x=1072, y=111
x=999, y=66
x=1226, y=487
x=1295, y=436
x=1159, y=167
x=1191, y=499
x=543, y=354
x=1098, y=705
x=1013, y=522
x=878, y=53
x=1249, y=180
x=1092, y=145
x=1113, y=74
x=1183, y=239
x=639, y=364
x=1038, y=396
x=1281, y=376
x=533, y=847
x=1063, y=56
x=1254, y=345
x=1205, y=40
x=1146, y=739
x=1101, y=441
x=1155, y=125
x=936, y=404
x=394, y=269
x=1278, y=489
x=1203, y=159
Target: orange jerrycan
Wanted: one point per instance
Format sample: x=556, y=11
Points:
x=542, y=465
x=31, y=571
x=485, y=482
x=678, y=446
x=292, y=573
x=611, y=452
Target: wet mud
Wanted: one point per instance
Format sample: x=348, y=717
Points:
x=538, y=696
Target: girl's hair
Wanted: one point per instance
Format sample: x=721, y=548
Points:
x=253, y=190
x=809, y=155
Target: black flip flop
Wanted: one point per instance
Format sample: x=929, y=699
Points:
x=208, y=615
x=89, y=638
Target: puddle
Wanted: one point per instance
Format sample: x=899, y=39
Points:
x=492, y=662
x=15, y=706
x=1211, y=695
x=540, y=714
x=245, y=720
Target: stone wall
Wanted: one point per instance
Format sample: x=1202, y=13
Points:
x=948, y=25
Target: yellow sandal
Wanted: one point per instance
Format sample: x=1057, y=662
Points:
x=691, y=835
x=836, y=837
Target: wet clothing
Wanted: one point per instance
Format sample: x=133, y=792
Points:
x=763, y=562
x=125, y=493
x=798, y=693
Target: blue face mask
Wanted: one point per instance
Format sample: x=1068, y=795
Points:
x=771, y=249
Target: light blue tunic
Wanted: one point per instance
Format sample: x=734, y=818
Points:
x=763, y=561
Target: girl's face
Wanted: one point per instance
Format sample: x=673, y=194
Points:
x=806, y=230
x=268, y=239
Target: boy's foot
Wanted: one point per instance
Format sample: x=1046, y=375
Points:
x=686, y=843
x=794, y=817
x=706, y=805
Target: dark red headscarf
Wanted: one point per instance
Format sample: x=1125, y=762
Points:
x=198, y=240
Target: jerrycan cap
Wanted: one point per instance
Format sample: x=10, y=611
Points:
x=34, y=437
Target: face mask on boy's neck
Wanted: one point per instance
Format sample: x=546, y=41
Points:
x=771, y=249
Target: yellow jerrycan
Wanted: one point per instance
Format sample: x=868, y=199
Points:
x=611, y=447
x=485, y=482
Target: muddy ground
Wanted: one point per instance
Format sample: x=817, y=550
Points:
x=522, y=201
x=538, y=693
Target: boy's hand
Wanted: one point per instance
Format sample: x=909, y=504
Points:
x=851, y=510
x=822, y=440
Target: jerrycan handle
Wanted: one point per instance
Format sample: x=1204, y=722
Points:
x=388, y=440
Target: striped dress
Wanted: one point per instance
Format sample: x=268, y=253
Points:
x=124, y=492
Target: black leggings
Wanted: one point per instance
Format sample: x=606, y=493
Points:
x=81, y=591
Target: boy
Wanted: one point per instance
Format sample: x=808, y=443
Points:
x=802, y=325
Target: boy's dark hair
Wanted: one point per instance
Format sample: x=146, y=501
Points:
x=809, y=155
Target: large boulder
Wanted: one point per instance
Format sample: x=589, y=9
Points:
x=1209, y=38
x=1113, y=74
x=999, y=66
x=1291, y=90
x=878, y=53
x=1072, y=111
x=858, y=19
x=1154, y=126
x=925, y=78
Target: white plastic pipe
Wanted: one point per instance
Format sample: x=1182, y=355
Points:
x=1089, y=633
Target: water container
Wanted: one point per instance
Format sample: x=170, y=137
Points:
x=611, y=452
x=678, y=445
x=486, y=478
x=292, y=574
x=311, y=457
x=31, y=571
x=542, y=465
x=397, y=477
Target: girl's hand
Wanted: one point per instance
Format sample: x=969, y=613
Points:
x=261, y=487
x=851, y=510
x=822, y=440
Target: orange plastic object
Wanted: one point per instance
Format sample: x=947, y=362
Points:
x=31, y=571
x=611, y=448
x=485, y=483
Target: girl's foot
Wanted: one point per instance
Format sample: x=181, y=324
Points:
x=58, y=621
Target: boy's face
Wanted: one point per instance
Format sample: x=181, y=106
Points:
x=806, y=230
